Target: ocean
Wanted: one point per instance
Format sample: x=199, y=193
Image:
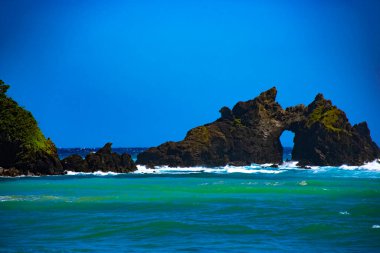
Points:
x=236, y=209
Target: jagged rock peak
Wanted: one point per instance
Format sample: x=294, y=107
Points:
x=269, y=95
x=319, y=96
x=226, y=113
x=319, y=101
x=106, y=149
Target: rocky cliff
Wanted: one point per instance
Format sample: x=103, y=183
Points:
x=23, y=148
x=250, y=133
x=325, y=137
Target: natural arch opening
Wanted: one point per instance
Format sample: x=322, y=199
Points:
x=287, y=142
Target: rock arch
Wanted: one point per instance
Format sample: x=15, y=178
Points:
x=250, y=133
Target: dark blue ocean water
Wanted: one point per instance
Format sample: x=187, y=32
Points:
x=235, y=209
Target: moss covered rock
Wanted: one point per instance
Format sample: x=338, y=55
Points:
x=326, y=137
x=22, y=144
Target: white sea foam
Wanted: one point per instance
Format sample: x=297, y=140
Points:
x=348, y=167
x=289, y=165
x=344, y=213
x=376, y=226
x=17, y=176
x=374, y=166
x=108, y=173
x=302, y=183
x=218, y=170
x=96, y=173
x=6, y=198
x=251, y=169
x=371, y=166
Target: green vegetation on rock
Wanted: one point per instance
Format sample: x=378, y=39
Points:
x=237, y=122
x=329, y=117
x=20, y=137
x=200, y=134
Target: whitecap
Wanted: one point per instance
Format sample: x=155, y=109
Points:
x=373, y=166
x=248, y=170
x=73, y=173
x=28, y=198
x=344, y=213
x=370, y=166
x=108, y=173
x=272, y=183
x=6, y=198
x=289, y=165
x=249, y=183
x=302, y=183
x=266, y=164
x=348, y=167
x=376, y=226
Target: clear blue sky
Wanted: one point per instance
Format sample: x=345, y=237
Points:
x=138, y=73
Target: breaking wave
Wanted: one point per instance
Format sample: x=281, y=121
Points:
x=256, y=169
x=367, y=169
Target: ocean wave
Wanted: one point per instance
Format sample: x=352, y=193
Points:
x=6, y=198
x=370, y=166
x=255, y=169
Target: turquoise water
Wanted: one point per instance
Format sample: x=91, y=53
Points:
x=259, y=209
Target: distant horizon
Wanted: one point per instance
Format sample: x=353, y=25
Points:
x=121, y=147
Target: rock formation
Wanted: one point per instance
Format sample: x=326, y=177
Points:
x=75, y=163
x=325, y=137
x=102, y=160
x=250, y=133
x=24, y=150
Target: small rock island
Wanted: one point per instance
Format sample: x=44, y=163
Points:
x=103, y=160
x=249, y=133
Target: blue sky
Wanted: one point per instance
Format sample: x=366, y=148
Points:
x=138, y=73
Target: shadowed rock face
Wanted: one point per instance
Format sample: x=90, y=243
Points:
x=103, y=160
x=250, y=133
x=325, y=137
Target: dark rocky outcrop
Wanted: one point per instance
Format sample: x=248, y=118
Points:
x=250, y=133
x=75, y=163
x=325, y=137
x=103, y=160
x=24, y=150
